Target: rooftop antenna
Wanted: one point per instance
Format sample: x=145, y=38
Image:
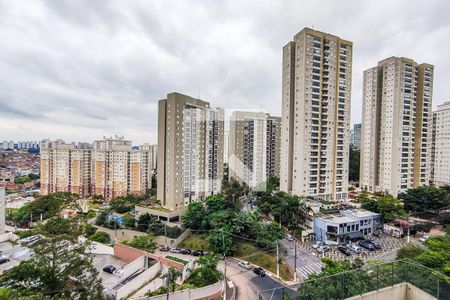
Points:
x=198, y=93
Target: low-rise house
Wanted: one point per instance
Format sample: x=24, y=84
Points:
x=347, y=225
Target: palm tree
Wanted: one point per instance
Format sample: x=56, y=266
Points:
x=240, y=223
x=171, y=277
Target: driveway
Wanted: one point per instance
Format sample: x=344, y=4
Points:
x=248, y=284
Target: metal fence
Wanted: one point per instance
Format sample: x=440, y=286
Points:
x=367, y=279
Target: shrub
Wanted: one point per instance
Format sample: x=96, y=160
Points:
x=101, y=237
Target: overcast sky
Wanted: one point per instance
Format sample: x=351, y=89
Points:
x=79, y=70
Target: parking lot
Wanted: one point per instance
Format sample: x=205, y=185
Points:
x=102, y=260
x=388, y=244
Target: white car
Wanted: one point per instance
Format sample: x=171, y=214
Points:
x=355, y=249
x=289, y=237
x=317, y=244
x=245, y=264
x=424, y=238
x=323, y=249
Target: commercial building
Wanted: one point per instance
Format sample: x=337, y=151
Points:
x=316, y=87
x=396, y=128
x=254, y=147
x=349, y=224
x=65, y=167
x=440, y=149
x=110, y=167
x=356, y=136
x=190, y=150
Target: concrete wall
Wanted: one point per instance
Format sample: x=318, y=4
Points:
x=8, y=236
x=139, y=281
x=133, y=266
x=213, y=291
x=121, y=234
x=402, y=291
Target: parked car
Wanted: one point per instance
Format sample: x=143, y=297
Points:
x=186, y=251
x=367, y=245
x=344, y=250
x=424, y=238
x=259, y=271
x=29, y=239
x=197, y=253
x=317, y=244
x=376, y=244
x=3, y=259
x=109, y=269
x=289, y=237
x=354, y=249
x=245, y=264
x=164, y=249
x=175, y=250
x=323, y=248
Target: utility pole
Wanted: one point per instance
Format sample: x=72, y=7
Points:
x=115, y=229
x=165, y=234
x=407, y=235
x=278, y=262
x=31, y=220
x=224, y=269
x=295, y=261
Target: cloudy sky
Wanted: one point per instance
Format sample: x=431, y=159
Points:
x=79, y=70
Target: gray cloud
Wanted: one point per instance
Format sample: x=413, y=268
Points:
x=79, y=70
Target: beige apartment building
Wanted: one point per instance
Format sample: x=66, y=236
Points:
x=316, y=92
x=190, y=150
x=110, y=167
x=254, y=147
x=396, y=128
x=440, y=149
x=65, y=167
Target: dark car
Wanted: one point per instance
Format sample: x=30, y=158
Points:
x=164, y=249
x=185, y=251
x=344, y=250
x=3, y=260
x=259, y=271
x=375, y=244
x=109, y=269
x=367, y=245
x=197, y=253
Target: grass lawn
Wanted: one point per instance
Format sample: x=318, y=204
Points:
x=243, y=249
x=176, y=259
x=268, y=261
x=195, y=242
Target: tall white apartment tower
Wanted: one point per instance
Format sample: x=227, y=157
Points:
x=440, y=150
x=317, y=76
x=396, y=128
x=254, y=147
x=190, y=150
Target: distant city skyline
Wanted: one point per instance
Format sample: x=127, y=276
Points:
x=79, y=71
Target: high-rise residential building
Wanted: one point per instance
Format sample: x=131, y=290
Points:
x=396, y=128
x=254, y=145
x=190, y=150
x=65, y=167
x=110, y=167
x=316, y=91
x=440, y=149
x=356, y=136
x=226, y=134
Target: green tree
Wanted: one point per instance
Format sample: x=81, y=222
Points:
x=171, y=276
x=101, y=237
x=194, y=217
x=232, y=191
x=425, y=198
x=220, y=241
x=56, y=271
x=89, y=230
x=101, y=218
x=410, y=251
x=389, y=206
x=146, y=242
x=207, y=273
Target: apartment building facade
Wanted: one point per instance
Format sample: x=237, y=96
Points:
x=316, y=87
x=110, y=167
x=254, y=147
x=190, y=150
x=65, y=167
x=356, y=136
x=396, y=128
x=440, y=153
